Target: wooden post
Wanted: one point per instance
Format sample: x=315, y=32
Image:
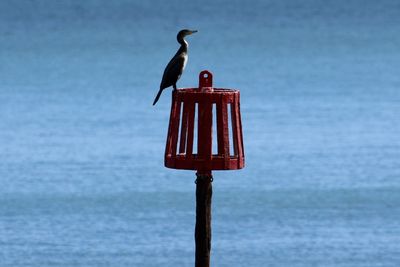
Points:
x=203, y=218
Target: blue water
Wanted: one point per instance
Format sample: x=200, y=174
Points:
x=81, y=147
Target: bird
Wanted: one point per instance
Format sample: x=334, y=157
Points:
x=176, y=65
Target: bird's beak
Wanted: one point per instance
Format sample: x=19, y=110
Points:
x=191, y=32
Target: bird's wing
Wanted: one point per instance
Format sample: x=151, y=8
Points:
x=173, y=71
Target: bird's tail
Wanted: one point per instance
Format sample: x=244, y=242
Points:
x=158, y=96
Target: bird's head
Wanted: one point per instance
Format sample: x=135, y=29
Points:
x=184, y=33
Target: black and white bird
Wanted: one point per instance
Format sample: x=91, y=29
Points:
x=175, y=67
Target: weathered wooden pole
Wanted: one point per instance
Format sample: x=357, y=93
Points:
x=203, y=219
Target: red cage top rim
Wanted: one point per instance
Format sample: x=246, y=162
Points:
x=215, y=91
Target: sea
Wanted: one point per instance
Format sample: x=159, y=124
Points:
x=82, y=176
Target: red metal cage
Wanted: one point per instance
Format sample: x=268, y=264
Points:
x=198, y=117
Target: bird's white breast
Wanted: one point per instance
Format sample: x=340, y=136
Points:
x=185, y=59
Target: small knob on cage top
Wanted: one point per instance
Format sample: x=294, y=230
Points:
x=205, y=81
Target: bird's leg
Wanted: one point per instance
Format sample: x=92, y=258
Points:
x=174, y=85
